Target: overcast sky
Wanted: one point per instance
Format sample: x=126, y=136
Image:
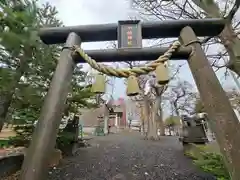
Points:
x=80, y=12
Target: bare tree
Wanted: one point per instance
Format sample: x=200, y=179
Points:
x=151, y=101
x=198, y=9
x=145, y=106
x=158, y=90
x=140, y=99
x=181, y=97
x=234, y=97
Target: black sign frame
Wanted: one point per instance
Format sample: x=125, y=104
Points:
x=138, y=36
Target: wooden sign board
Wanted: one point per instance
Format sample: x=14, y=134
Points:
x=129, y=34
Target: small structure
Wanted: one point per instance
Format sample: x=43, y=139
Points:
x=93, y=118
x=117, y=117
x=90, y=119
x=193, y=130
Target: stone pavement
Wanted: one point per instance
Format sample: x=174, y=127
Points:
x=126, y=156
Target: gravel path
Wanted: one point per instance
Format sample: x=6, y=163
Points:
x=128, y=157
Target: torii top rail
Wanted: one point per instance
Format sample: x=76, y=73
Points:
x=150, y=30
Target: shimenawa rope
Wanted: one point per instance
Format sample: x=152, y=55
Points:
x=136, y=71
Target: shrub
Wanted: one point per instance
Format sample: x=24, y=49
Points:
x=23, y=135
x=211, y=162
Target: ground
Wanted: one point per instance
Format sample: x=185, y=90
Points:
x=6, y=133
x=128, y=157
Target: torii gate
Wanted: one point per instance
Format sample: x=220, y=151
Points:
x=223, y=119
